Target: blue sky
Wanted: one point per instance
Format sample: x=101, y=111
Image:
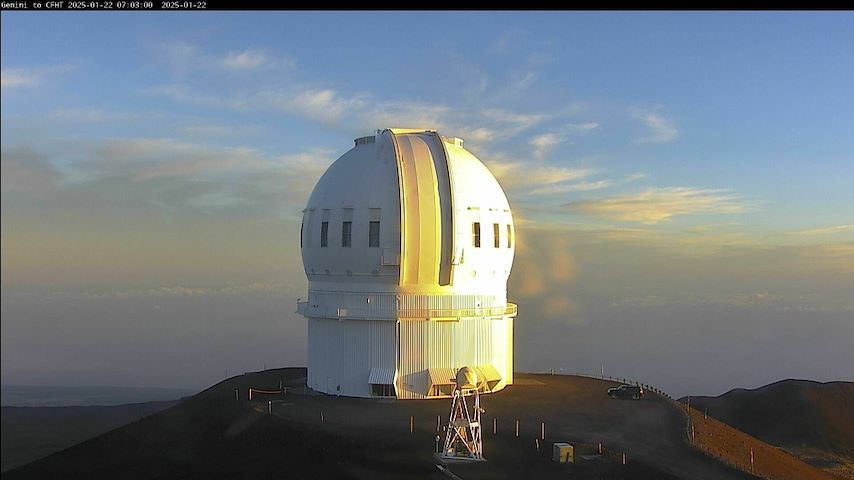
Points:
x=661, y=160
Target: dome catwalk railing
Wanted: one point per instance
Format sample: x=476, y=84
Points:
x=442, y=314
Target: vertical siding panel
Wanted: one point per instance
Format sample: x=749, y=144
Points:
x=346, y=351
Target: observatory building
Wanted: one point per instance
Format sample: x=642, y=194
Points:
x=407, y=242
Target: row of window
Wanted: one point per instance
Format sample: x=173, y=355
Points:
x=496, y=235
x=374, y=234
x=346, y=234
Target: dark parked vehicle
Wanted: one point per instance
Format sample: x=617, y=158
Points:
x=626, y=391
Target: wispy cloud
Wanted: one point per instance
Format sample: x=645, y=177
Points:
x=219, y=130
x=29, y=77
x=175, y=291
x=480, y=134
x=349, y=111
x=326, y=105
x=246, y=60
x=509, y=41
x=544, y=143
x=826, y=230
x=331, y=107
x=660, y=128
x=525, y=176
x=18, y=77
x=565, y=187
x=186, y=58
x=89, y=115
x=26, y=170
x=656, y=205
x=146, y=175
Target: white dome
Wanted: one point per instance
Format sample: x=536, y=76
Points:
x=429, y=245
x=407, y=242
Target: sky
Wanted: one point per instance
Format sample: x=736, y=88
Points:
x=681, y=184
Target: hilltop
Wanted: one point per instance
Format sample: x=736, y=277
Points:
x=218, y=433
x=812, y=420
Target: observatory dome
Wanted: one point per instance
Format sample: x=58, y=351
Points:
x=428, y=245
x=405, y=235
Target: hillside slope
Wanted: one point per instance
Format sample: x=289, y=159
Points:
x=813, y=420
x=790, y=413
x=219, y=434
x=30, y=433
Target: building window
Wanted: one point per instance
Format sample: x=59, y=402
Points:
x=509, y=236
x=346, y=234
x=475, y=230
x=496, y=238
x=382, y=390
x=443, y=390
x=324, y=233
x=374, y=235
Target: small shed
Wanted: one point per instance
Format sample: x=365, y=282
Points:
x=563, y=453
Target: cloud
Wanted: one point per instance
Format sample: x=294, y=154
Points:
x=144, y=176
x=511, y=123
x=768, y=300
x=656, y=205
x=245, y=60
x=185, y=59
x=509, y=41
x=543, y=143
x=323, y=105
x=26, y=170
x=17, y=77
x=825, y=230
x=661, y=129
x=89, y=115
x=407, y=114
x=573, y=187
x=183, y=93
x=177, y=291
x=332, y=108
x=219, y=131
x=520, y=175
x=29, y=77
x=142, y=159
x=356, y=112
x=480, y=134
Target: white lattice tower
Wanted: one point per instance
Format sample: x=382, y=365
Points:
x=463, y=440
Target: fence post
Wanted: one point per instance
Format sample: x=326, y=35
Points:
x=751, y=460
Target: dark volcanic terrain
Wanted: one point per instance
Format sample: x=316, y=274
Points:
x=216, y=435
x=812, y=420
x=29, y=433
